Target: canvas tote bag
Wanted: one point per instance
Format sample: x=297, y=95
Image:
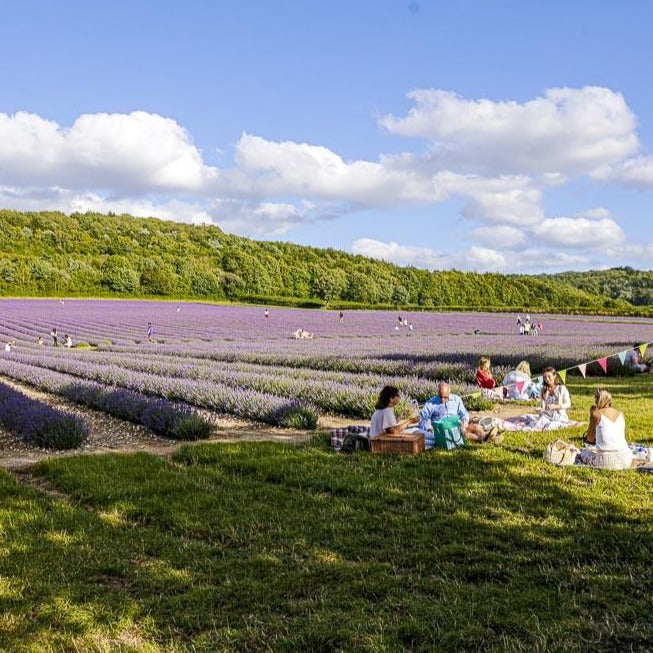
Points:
x=448, y=433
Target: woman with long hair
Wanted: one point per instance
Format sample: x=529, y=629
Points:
x=607, y=430
x=384, y=420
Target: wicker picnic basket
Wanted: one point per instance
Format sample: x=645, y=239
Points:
x=405, y=443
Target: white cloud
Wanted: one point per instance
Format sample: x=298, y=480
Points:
x=565, y=131
x=400, y=254
x=503, y=237
x=579, y=232
x=480, y=259
x=636, y=172
x=119, y=152
x=264, y=218
x=270, y=168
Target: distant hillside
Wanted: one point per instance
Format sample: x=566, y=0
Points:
x=626, y=284
x=52, y=254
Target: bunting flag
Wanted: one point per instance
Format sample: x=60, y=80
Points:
x=582, y=367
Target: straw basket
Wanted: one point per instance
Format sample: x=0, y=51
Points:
x=406, y=443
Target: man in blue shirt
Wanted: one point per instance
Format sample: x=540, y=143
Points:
x=444, y=404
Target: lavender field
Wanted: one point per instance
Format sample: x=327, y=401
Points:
x=234, y=360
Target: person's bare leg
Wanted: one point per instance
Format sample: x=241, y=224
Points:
x=475, y=432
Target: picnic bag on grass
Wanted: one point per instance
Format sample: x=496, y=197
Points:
x=448, y=433
x=355, y=442
x=561, y=453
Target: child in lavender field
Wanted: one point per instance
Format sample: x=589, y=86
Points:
x=150, y=332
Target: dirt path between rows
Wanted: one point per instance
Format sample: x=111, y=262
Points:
x=111, y=435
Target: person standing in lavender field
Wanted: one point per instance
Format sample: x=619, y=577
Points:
x=150, y=332
x=55, y=337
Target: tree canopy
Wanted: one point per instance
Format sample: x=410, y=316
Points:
x=89, y=254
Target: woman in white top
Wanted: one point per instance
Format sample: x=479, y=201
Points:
x=384, y=421
x=554, y=397
x=607, y=431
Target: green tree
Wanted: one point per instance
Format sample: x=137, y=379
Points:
x=119, y=276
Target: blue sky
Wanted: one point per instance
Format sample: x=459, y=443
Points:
x=509, y=136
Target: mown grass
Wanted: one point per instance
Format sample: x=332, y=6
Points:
x=270, y=547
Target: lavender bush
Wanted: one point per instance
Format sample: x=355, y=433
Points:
x=39, y=424
x=232, y=360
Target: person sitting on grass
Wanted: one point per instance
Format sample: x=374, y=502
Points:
x=487, y=382
x=554, y=397
x=384, y=420
x=518, y=383
x=607, y=430
x=445, y=404
x=634, y=360
x=552, y=413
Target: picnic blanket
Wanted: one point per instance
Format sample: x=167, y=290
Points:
x=338, y=435
x=635, y=457
x=533, y=422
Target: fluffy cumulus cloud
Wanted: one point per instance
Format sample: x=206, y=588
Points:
x=566, y=130
x=493, y=161
x=636, y=172
x=124, y=153
x=582, y=232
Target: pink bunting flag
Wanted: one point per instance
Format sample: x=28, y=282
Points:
x=520, y=386
x=603, y=362
x=582, y=367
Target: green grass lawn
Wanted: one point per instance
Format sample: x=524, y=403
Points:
x=272, y=547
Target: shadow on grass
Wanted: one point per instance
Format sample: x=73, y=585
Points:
x=237, y=546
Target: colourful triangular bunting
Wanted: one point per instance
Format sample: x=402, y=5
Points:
x=540, y=380
x=603, y=362
x=520, y=386
x=642, y=348
x=582, y=367
x=622, y=356
x=563, y=375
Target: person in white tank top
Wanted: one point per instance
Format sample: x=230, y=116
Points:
x=607, y=430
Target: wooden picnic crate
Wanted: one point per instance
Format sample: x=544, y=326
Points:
x=410, y=443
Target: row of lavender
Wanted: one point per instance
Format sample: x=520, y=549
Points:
x=235, y=401
x=126, y=321
x=39, y=424
x=234, y=360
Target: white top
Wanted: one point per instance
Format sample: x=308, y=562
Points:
x=559, y=396
x=611, y=436
x=382, y=418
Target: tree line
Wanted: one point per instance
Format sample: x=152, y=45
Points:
x=90, y=254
